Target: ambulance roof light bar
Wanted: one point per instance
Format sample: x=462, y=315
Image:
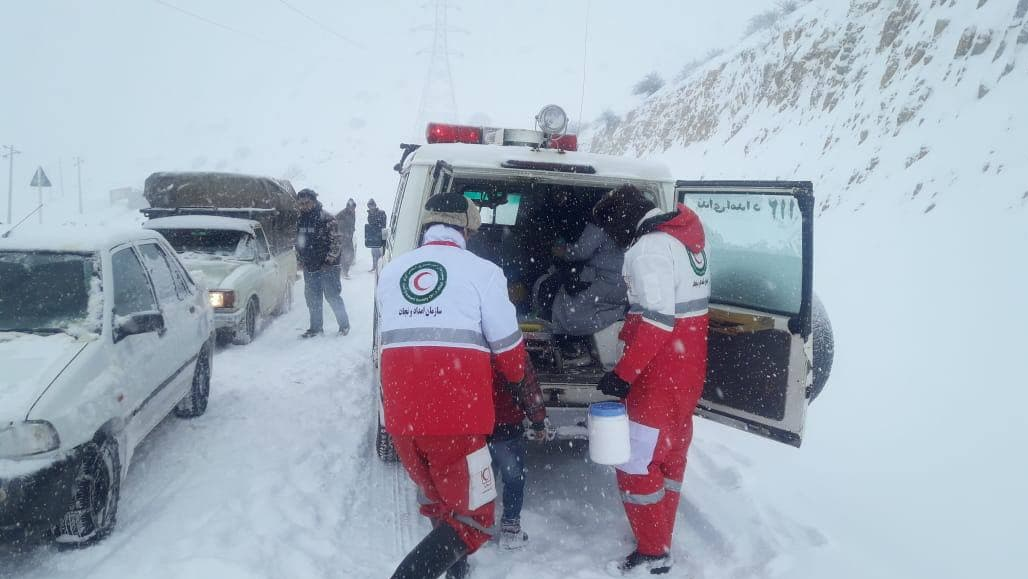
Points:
x=552, y=123
x=444, y=133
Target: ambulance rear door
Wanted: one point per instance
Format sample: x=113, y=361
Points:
x=760, y=254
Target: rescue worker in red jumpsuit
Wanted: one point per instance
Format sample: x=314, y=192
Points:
x=660, y=376
x=445, y=321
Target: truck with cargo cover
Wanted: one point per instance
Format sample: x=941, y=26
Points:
x=238, y=232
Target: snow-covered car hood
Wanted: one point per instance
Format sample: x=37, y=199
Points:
x=30, y=364
x=214, y=270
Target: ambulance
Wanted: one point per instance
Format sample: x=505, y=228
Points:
x=770, y=341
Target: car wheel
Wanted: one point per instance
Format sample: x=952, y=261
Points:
x=384, y=445
x=247, y=330
x=824, y=348
x=195, y=403
x=94, y=506
x=287, y=301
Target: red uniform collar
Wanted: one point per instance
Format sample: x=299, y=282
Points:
x=447, y=243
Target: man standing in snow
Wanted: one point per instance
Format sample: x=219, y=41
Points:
x=318, y=245
x=445, y=322
x=347, y=220
x=662, y=371
x=377, y=222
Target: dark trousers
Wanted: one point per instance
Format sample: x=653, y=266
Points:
x=324, y=285
x=509, y=460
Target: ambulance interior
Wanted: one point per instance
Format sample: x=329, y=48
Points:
x=522, y=223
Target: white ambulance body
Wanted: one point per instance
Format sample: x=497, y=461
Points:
x=761, y=373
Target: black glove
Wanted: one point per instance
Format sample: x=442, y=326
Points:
x=612, y=385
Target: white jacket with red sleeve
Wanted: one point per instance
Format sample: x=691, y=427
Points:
x=443, y=313
x=665, y=332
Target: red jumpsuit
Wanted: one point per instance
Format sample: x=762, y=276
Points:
x=445, y=320
x=665, y=361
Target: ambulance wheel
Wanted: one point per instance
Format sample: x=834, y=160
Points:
x=824, y=348
x=384, y=445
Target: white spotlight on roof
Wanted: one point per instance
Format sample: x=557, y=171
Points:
x=552, y=120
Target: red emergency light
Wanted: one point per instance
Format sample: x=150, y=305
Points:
x=443, y=133
x=564, y=143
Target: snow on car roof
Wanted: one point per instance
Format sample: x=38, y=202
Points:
x=491, y=157
x=74, y=239
x=202, y=222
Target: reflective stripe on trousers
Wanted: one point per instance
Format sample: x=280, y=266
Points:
x=652, y=498
x=424, y=501
x=474, y=525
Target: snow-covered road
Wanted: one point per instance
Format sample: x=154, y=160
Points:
x=279, y=479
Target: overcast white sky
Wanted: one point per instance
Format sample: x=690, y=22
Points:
x=135, y=86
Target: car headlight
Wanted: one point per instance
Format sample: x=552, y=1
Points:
x=19, y=439
x=222, y=299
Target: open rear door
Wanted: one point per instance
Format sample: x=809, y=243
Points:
x=760, y=251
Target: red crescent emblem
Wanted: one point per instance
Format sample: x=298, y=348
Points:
x=417, y=278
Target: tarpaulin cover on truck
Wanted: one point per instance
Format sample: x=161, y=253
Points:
x=230, y=191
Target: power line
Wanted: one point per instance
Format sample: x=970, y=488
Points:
x=585, y=60
x=218, y=24
x=320, y=24
x=238, y=31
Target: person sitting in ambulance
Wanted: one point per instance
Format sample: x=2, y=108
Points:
x=592, y=294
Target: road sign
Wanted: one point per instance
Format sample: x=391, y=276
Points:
x=40, y=179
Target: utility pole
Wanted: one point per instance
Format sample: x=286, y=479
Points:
x=78, y=165
x=438, y=102
x=11, y=152
x=60, y=173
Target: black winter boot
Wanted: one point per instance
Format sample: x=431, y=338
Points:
x=436, y=553
x=636, y=565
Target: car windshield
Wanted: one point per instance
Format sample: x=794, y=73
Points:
x=207, y=243
x=49, y=292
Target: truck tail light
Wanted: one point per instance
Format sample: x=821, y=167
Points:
x=443, y=133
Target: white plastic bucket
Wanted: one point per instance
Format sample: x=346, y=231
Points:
x=609, y=441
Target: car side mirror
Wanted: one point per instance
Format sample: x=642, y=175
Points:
x=138, y=324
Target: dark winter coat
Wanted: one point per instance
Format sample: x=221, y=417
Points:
x=347, y=219
x=373, y=234
x=318, y=243
x=603, y=301
x=377, y=217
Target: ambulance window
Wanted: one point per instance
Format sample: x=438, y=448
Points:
x=505, y=213
x=755, y=249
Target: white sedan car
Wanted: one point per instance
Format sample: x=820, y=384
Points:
x=101, y=337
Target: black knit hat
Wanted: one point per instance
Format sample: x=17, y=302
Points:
x=619, y=212
x=307, y=193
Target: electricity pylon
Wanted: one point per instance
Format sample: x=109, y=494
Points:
x=438, y=102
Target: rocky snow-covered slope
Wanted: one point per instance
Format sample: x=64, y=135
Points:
x=912, y=101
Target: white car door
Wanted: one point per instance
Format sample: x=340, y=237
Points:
x=760, y=253
x=181, y=346
x=142, y=365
